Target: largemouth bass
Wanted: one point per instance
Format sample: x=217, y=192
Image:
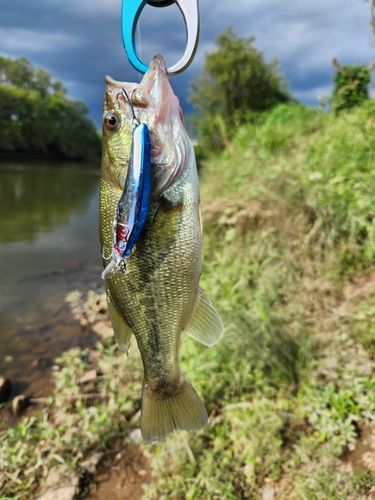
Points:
x=158, y=296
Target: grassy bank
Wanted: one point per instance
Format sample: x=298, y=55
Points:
x=289, y=238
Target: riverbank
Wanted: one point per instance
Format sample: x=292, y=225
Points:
x=83, y=441
x=49, y=245
x=90, y=417
x=288, y=261
x=47, y=158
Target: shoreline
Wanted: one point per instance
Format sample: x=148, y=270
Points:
x=96, y=380
x=35, y=156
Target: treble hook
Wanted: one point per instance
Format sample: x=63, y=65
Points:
x=131, y=10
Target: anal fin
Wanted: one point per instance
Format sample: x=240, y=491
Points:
x=122, y=330
x=205, y=324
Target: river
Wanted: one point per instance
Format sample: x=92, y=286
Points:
x=49, y=246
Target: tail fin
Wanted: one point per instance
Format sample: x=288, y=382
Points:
x=161, y=416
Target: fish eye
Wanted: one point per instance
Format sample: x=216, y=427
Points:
x=112, y=120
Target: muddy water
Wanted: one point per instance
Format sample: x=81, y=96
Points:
x=49, y=246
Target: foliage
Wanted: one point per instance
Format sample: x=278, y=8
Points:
x=36, y=115
x=236, y=84
x=22, y=74
x=351, y=87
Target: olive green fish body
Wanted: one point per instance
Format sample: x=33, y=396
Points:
x=158, y=296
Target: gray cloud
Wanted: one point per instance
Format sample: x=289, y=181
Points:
x=80, y=40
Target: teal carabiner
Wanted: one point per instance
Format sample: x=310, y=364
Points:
x=130, y=12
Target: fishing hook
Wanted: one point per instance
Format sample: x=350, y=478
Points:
x=130, y=101
x=124, y=94
x=130, y=12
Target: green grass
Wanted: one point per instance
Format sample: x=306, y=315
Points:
x=288, y=221
x=68, y=429
x=289, y=213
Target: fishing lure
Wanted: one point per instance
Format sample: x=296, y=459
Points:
x=133, y=205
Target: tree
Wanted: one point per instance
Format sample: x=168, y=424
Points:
x=36, y=116
x=236, y=82
x=22, y=74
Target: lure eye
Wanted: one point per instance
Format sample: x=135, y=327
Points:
x=112, y=120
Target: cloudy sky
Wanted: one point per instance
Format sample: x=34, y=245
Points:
x=79, y=41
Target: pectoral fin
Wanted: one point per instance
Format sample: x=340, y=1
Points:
x=205, y=324
x=122, y=330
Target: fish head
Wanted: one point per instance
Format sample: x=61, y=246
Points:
x=154, y=103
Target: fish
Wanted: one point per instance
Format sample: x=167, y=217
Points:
x=157, y=296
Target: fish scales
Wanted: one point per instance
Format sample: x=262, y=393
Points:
x=162, y=283
x=159, y=296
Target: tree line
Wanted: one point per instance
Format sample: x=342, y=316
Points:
x=37, y=117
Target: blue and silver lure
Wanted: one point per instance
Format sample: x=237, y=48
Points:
x=133, y=205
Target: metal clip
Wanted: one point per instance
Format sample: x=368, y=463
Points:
x=131, y=10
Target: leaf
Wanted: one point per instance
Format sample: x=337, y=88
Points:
x=230, y=234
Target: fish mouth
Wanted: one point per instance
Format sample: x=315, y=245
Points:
x=157, y=64
x=114, y=89
x=159, y=60
x=139, y=92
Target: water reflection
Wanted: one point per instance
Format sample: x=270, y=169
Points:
x=49, y=246
x=35, y=199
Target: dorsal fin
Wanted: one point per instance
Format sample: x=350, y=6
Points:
x=205, y=324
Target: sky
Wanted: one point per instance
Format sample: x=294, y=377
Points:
x=79, y=41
